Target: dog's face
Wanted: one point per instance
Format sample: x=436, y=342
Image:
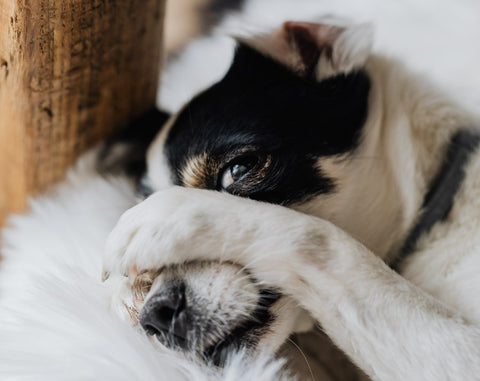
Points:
x=292, y=107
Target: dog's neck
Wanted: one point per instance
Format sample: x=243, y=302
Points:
x=382, y=185
x=415, y=130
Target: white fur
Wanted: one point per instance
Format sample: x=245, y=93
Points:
x=55, y=322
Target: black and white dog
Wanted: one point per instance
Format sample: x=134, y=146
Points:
x=347, y=165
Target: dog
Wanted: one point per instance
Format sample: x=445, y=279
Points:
x=317, y=182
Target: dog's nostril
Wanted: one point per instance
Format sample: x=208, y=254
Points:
x=165, y=314
x=150, y=329
x=159, y=320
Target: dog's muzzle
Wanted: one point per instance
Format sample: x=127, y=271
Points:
x=211, y=324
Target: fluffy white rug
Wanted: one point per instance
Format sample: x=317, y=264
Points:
x=54, y=321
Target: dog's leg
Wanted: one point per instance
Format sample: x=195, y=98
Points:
x=386, y=325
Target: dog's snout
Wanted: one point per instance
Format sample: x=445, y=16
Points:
x=165, y=315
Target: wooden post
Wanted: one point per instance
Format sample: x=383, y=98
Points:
x=70, y=72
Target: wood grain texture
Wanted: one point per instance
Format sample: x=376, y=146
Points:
x=71, y=71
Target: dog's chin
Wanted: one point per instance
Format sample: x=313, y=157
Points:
x=247, y=334
x=218, y=353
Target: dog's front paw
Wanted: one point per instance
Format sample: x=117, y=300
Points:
x=180, y=225
x=167, y=228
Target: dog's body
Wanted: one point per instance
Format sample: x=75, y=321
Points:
x=361, y=145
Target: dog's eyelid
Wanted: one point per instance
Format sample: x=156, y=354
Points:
x=105, y=275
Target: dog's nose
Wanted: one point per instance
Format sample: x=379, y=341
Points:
x=165, y=315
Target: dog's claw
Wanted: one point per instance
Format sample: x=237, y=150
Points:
x=105, y=275
x=132, y=272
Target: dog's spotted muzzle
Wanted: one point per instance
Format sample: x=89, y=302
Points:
x=199, y=312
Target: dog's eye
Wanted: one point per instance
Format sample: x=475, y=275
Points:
x=237, y=171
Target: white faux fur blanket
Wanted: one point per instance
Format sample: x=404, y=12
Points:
x=54, y=320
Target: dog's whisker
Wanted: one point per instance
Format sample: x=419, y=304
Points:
x=302, y=353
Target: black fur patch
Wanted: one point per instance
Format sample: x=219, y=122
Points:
x=247, y=333
x=265, y=112
x=124, y=153
x=439, y=200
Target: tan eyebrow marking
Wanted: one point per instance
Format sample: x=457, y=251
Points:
x=198, y=170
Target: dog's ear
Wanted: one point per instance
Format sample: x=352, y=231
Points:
x=321, y=50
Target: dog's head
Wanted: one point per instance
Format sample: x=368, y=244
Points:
x=282, y=126
x=293, y=122
x=290, y=99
